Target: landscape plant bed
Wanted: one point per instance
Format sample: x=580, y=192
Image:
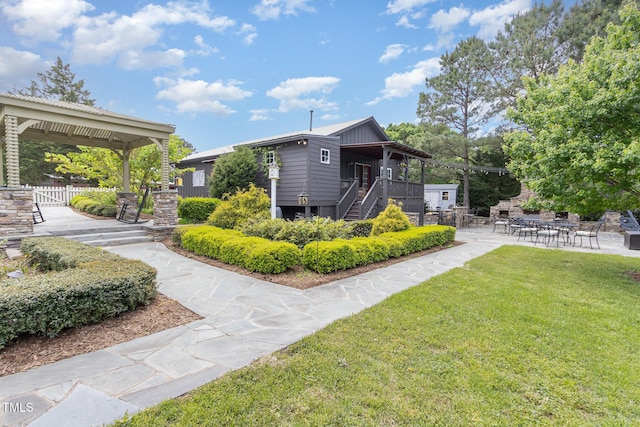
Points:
x=36, y=350
x=298, y=277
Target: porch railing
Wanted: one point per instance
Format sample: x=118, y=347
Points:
x=347, y=200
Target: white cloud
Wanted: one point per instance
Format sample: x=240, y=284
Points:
x=18, y=68
x=272, y=9
x=393, y=51
x=405, y=6
x=249, y=34
x=109, y=37
x=404, y=22
x=492, y=19
x=196, y=96
x=42, y=20
x=399, y=85
x=291, y=93
x=444, y=21
x=259, y=115
x=204, y=48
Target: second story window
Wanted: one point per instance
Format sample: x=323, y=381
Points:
x=325, y=156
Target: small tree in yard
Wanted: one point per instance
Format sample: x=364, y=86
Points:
x=391, y=219
x=237, y=209
x=232, y=172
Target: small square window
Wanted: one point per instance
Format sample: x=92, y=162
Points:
x=269, y=157
x=325, y=156
x=445, y=195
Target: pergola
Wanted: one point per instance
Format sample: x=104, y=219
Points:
x=32, y=118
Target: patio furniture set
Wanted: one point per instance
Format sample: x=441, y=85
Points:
x=547, y=232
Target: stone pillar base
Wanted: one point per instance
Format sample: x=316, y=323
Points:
x=16, y=211
x=165, y=208
x=125, y=197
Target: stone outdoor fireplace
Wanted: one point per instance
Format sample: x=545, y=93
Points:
x=513, y=208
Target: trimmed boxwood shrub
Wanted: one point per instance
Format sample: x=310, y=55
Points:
x=206, y=239
x=47, y=304
x=418, y=239
x=81, y=285
x=368, y=250
x=394, y=245
x=273, y=257
x=101, y=203
x=58, y=253
x=196, y=209
x=325, y=257
x=237, y=251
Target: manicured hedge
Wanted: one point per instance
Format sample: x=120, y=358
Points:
x=325, y=257
x=232, y=247
x=58, y=253
x=88, y=291
x=417, y=239
x=96, y=203
x=207, y=239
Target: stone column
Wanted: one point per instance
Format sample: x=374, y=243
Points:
x=125, y=197
x=16, y=211
x=165, y=208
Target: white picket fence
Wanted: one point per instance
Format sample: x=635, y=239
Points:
x=60, y=196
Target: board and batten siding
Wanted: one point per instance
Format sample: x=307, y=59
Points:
x=324, y=182
x=361, y=134
x=187, y=189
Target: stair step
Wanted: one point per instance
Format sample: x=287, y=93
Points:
x=107, y=235
x=116, y=241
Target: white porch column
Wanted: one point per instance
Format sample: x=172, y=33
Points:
x=13, y=165
x=165, y=165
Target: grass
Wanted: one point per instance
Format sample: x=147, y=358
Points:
x=519, y=336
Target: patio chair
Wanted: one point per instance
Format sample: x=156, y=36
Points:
x=548, y=234
x=37, y=214
x=527, y=228
x=500, y=221
x=126, y=211
x=592, y=234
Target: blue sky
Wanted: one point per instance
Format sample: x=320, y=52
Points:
x=229, y=71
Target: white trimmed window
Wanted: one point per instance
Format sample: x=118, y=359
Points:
x=445, y=195
x=325, y=156
x=389, y=173
x=269, y=157
x=198, y=178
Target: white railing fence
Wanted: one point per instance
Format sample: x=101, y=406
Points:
x=60, y=196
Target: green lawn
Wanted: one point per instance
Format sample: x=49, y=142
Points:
x=519, y=336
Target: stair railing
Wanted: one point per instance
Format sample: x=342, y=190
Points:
x=347, y=200
x=370, y=200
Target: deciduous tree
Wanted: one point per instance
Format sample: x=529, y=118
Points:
x=579, y=145
x=233, y=172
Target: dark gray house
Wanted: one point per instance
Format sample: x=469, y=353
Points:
x=348, y=170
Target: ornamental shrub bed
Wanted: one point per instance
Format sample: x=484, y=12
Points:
x=88, y=291
x=101, y=203
x=272, y=257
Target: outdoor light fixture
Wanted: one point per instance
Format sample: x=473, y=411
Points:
x=303, y=198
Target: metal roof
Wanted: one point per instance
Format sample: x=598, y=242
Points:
x=329, y=130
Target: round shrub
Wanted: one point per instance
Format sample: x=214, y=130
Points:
x=237, y=251
x=391, y=219
x=207, y=240
x=361, y=228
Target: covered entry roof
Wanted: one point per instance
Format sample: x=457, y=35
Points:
x=78, y=124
